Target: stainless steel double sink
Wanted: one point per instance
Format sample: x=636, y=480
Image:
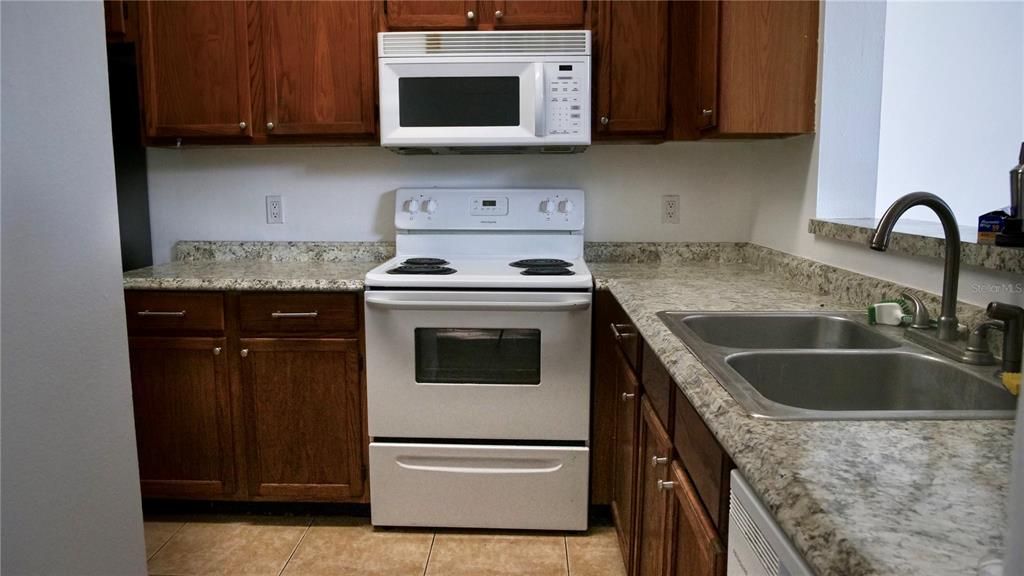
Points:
x=834, y=366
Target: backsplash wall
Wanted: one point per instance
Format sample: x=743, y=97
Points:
x=348, y=193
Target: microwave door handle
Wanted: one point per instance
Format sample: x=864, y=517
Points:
x=540, y=104
x=377, y=300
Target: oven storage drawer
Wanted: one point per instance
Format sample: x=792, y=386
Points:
x=479, y=486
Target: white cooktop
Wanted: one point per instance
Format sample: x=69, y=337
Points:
x=480, y=232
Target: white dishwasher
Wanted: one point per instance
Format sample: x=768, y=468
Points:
x=757, y=547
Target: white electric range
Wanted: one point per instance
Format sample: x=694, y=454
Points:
x=478, y=362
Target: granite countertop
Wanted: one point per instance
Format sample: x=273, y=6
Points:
x=855, y=497
x=251, y=275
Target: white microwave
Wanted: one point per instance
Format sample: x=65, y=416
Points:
x=518, y=91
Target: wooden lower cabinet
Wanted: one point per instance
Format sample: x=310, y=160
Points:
x=652, y=493
x=303, y=411
x=183, y=425
x=627, y=416
x=694, y=547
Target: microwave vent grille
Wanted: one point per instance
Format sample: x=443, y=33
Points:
x=483, y=43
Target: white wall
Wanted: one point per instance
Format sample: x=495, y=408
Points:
x=346, y=193
x=70, y=497
x=952, y=104
x=851, y=82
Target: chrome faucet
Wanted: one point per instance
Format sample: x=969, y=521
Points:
x=948, y=324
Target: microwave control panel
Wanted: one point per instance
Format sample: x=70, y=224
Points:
x=566, y=98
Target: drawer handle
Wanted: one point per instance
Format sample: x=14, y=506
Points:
x=656, y=461
x=312, y=314
x=178, y=314
x=617, y=332
x=665, y=485
x=626, y=396
x=245, y=352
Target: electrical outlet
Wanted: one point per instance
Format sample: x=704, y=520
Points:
x=670, y=209
x=275, y=210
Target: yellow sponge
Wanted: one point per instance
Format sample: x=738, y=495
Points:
x=1012, y=382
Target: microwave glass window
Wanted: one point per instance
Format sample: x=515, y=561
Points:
x=458, y=101
x=477, y=356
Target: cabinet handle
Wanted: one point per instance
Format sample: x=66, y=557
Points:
x=665, y=485
x=270, y=126
x=626, y=396
x=707, y=112
x=498, y=14
x=620, y=331
x=604, y=120
x=242, y=126
x=178, y=314
x=470, y=15
x=245, y=352
x=656, y=461
x=312, y=314
x=216, y=351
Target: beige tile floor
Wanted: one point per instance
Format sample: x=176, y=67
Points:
x=349, y=546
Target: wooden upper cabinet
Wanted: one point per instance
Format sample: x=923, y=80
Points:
x=195, y=69
x=183, y=420
x=632, y=69
x=706, y=79
x=431, y=14
x=319, y=64
x=304, y=424
x=694, y=547
x=768, y=67
x=533, y=14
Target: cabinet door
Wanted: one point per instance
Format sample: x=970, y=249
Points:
x=319, y=59
x=652, y=492
x=532, y=14
x=633, y=68
x=195, y=69
x=431, y=14
x=707, y=64
x=768, y=67
x=694, y=548
x=182, y=417
x=624, y=462
x=304, y=424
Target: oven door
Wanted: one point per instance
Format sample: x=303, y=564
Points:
x=447, y=102
x=478, y=365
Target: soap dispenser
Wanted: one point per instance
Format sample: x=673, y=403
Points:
x=1013, y=231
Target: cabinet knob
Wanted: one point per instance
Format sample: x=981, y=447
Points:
x=656, y=461
x=707, y=112
x=626, y=396
x=498, y=14
x=665, y=485
x=604, y=120
x=242, y=126
x=470, y=15
x=216, y=351
x=245, y=352
x=270, y=126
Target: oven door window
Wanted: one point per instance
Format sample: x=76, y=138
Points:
x=458, y=101
x=478, y=356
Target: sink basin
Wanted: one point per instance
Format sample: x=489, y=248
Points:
x=851, y=382
x=784, y=331
x=834, y=366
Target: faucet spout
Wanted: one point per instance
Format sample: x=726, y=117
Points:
x=948, y=323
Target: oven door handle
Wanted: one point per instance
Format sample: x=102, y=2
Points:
x=562, y=306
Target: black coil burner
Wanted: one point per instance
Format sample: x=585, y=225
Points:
x=541, y=263
x=425, y=262
x=431, y=270
x=548, y=271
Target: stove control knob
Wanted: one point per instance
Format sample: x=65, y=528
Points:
x=412, y=206
x=566, y=206
x=430, y=206
x=547, y=207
